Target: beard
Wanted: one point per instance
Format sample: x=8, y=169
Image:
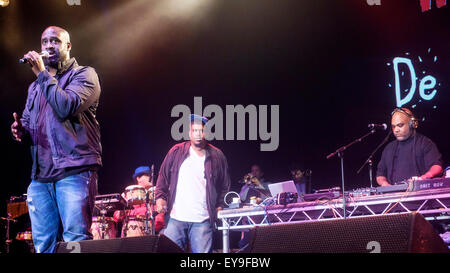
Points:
x=199, y=143
x=52, y=61
x=56, y=57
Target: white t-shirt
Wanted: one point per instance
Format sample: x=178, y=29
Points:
x=190, y=199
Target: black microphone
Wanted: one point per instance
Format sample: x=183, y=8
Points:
x=43, y=54
x=377, y=126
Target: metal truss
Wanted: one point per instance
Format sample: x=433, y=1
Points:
x=432, y=204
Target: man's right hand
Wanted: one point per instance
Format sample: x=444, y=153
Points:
x=16, y=128
x=382, y=181
x=161, y=205
x=118, y=216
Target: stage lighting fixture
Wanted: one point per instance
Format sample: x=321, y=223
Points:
x=4, y=3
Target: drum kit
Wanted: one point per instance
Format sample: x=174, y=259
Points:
x=104, y=227
x=135, y=194
x=133, y=226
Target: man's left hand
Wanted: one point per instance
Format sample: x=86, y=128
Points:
x=425, y=176
x=35, y=61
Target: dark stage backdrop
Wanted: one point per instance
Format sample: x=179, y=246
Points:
x=328, y=65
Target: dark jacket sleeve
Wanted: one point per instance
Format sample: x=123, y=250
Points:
x=225, y=185
x=162, y=183
x=25, y=119
x=82, y=91
x=244, y=191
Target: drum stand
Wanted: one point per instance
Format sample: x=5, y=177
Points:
x=125, y=228
x=147, y=201
x=103, y=223
x=8, y=241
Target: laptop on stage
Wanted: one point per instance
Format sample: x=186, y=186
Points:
x=286, y=186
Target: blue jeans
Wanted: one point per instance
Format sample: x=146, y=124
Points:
x=199, y=235
x=61, y=209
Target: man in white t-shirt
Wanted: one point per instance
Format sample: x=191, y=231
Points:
x=191, y=185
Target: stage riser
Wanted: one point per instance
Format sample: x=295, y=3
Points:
x=378, y=234
x=143, y=244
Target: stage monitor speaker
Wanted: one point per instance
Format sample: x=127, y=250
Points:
x=142, y=244
x=399, y=233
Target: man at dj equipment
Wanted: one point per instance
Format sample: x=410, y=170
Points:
x=59, y=123
x=411, y=154
x=143, y=176
x=191, y=186
x=254, y=186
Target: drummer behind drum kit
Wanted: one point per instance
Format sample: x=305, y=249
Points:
x=104, y=227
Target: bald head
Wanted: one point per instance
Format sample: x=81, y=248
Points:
x=400, y=124
x=56, y=41
x=58, y=31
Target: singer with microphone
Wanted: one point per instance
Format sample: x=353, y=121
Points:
x=411, y=154
x=59, y=124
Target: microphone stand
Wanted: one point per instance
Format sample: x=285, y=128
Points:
x=103, y=223
x=369, y=160
x=147, y=201
x=153, y=201
x=340, y=153
x=153, y=212
x=146, y=212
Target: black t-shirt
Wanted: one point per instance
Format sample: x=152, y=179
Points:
x=402, y=160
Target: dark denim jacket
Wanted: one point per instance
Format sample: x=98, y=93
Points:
x=72, y=130
x=216, y=173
